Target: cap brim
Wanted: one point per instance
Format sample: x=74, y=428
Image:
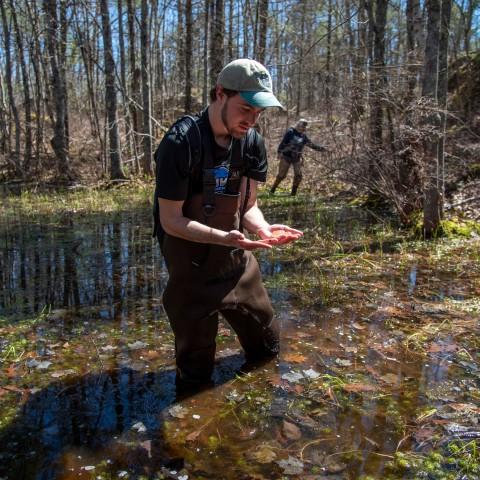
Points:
x=261, y=99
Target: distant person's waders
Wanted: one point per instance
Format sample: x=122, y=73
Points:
x=206, y=279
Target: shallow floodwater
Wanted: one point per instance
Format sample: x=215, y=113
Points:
x=87, y=358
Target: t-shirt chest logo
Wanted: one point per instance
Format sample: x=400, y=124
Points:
x=221, y=178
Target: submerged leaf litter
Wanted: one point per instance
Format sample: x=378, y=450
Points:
x=378, y=377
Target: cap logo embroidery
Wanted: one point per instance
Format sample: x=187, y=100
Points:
x=263, y=79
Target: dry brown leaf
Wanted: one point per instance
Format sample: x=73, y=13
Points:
x=294, y=357
x=11, y=371
x=443, y=347
x=191, y=437
x=151, y=354
x=291, y=431
x=390, y=378
x=423, y=434
x=464, y=407
x=299, y=388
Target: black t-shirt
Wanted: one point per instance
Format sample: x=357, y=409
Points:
x=177, y=179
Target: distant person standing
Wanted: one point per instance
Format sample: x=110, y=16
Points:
x=290, y=153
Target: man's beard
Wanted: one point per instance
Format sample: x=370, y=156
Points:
x=223, y=116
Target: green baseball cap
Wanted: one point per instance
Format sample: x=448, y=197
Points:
x=252, y=80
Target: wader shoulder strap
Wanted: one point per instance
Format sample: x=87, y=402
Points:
x=247, y=189
x=194, y=140
x=245, y=203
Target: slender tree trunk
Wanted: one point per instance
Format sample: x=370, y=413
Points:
x=123, y=77
x=217, y=48
x=377, y=74
x=3, y=118
x=230, y=31
x=206, y=38
x=262, y=30
x=60, y=140
x=328, y=72
x=442, y=92
x=62, y=63
x=135, y=78
x=299, y=86
x=145, y=55
x=412, y=15
x=35, y=55
x=468, y=20
x=431, y=202
x=247, y=14
x=26, y=91
x=181, y=21
x=188, y=56
x=116, y=172
x=14, y=158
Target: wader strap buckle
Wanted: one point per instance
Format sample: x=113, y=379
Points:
x=208, y=209
x=209, y=184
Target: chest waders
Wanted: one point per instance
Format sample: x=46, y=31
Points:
x=206, y=279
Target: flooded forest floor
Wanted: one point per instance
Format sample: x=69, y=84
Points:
x=378, y=375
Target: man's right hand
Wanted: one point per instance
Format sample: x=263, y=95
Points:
x=237, y=239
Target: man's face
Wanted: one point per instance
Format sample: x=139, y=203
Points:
x=238, y=115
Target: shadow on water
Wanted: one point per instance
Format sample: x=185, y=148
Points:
x=116, y=415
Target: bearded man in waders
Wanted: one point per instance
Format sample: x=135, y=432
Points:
x=207, y=170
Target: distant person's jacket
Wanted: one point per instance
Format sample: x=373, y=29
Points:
x=293, y=143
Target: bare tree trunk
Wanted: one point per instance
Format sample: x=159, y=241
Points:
x=230, y=31
x=14, y=159
x=60, y=140
x=377, y=74
x=442, y=93
x=328, y=73
x=123, y=77
x=3, y=119
x=217, y=48
x=188, y=55
x=180, y=77
x=135, y=77
x=26, y=91
x=412, y=13
x=431, y=201
x=116, y=172
x=35, y=55
x=262, y=30
x=467, y=27
x=62, y=64
x=206, y=38
x=147, y=129
x=86, y=51
x=299, y=86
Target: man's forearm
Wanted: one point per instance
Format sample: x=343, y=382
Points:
x=253, y=220
x=194, y=231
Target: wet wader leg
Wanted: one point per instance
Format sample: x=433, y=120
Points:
x=195, y=348
x=251, y=314
x=257, y=332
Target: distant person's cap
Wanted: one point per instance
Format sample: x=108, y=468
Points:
x=252, y=80
x=302, y=123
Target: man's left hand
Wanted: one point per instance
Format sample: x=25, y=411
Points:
x=278, y=234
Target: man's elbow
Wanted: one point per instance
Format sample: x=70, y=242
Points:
x=168, y=225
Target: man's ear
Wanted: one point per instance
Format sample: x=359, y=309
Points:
x=219, y=92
